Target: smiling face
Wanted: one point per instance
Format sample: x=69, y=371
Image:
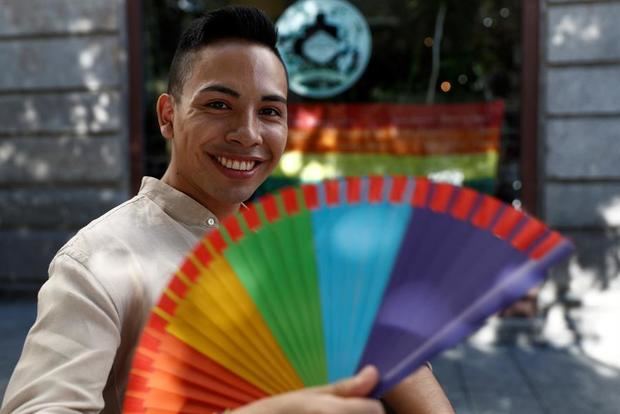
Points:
x=228, y=128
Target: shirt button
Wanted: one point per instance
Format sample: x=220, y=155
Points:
x=211, y=221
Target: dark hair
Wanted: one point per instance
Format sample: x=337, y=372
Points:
x=232, y=22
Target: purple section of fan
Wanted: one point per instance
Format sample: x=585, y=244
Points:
x=448, y=277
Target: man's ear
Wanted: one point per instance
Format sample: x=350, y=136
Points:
x=165, y=115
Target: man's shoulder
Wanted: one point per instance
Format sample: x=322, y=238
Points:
x=134, y=247
x=117, y=224
x=115, y=253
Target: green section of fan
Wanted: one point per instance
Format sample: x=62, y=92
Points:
x=278, y=270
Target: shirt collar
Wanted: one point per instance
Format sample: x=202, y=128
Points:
x=176, y=204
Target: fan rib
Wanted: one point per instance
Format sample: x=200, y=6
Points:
x=174, y=384
x=353, y=190
x=290, y=228
x=375, y=190
x=486, y=212
x=139, y=384
x=507, y=223
x=229, y=294
x=169, y=401
x=311, y=196
x=549, y=243
x=217, y=241
x=332, y=192
x=441, y=194
x=232, y=227
x=379, y=269
x=283, y=276
x=248, y=312
x=399, y=187
x=305, y=242
x=464, y=204
x=171, y=346
x=164, y=364
x=420, y=195
x=219, y=346
x=247, y=256
x=177, y=286
x=251, y=218
x=272, y=215
x=291, y=204
x=533, y=230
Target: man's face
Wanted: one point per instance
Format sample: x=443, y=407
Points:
x=229, y=126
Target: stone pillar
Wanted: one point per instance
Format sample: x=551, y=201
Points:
x=580, y=152
x=63, y=126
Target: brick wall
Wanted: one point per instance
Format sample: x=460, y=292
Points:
x=580, y=139
x=63, y=126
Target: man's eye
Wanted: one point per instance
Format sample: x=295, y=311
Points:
x=217, y=105
x=270, y=112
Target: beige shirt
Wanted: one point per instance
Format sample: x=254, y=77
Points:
x=101, y=288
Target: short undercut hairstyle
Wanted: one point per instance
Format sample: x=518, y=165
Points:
x=233, y=22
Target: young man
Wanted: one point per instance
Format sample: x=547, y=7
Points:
x=226, y=118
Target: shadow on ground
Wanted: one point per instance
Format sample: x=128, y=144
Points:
x=519, y=379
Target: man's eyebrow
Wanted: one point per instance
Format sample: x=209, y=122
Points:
x=274, y=98
x=222, y=89
x=229, y=91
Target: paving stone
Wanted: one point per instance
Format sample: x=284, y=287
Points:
x=21, y=17
x=571, y=383
x=460, y=401
x=548, y=369
x=493, y=370
x=504, y=402
x=576, y=401
x=447, y=372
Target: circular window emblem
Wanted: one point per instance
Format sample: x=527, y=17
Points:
x=325, y=45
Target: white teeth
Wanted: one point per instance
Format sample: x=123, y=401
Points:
x=235, y=164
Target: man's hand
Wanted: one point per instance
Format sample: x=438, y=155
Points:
x=344, y=397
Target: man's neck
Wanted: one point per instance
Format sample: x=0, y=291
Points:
x=219, y=209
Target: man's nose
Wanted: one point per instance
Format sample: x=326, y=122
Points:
x=245, y=130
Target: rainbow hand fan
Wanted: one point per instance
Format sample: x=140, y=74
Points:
x=308, y=285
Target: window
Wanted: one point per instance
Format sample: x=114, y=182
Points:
x=423, y=51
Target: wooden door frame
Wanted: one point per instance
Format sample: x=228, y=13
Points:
x=530, y=73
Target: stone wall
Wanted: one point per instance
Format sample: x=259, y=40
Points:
x=63, y=126
x=580, y=149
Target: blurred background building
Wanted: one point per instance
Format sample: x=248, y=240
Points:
x=78, y=81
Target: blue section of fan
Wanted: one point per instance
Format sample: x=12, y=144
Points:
x=356, y=246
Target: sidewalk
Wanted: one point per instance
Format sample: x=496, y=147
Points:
x=478, y=378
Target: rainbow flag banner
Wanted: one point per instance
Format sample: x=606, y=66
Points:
x=457, y=143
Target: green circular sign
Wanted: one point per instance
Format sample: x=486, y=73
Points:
x=325, y=45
